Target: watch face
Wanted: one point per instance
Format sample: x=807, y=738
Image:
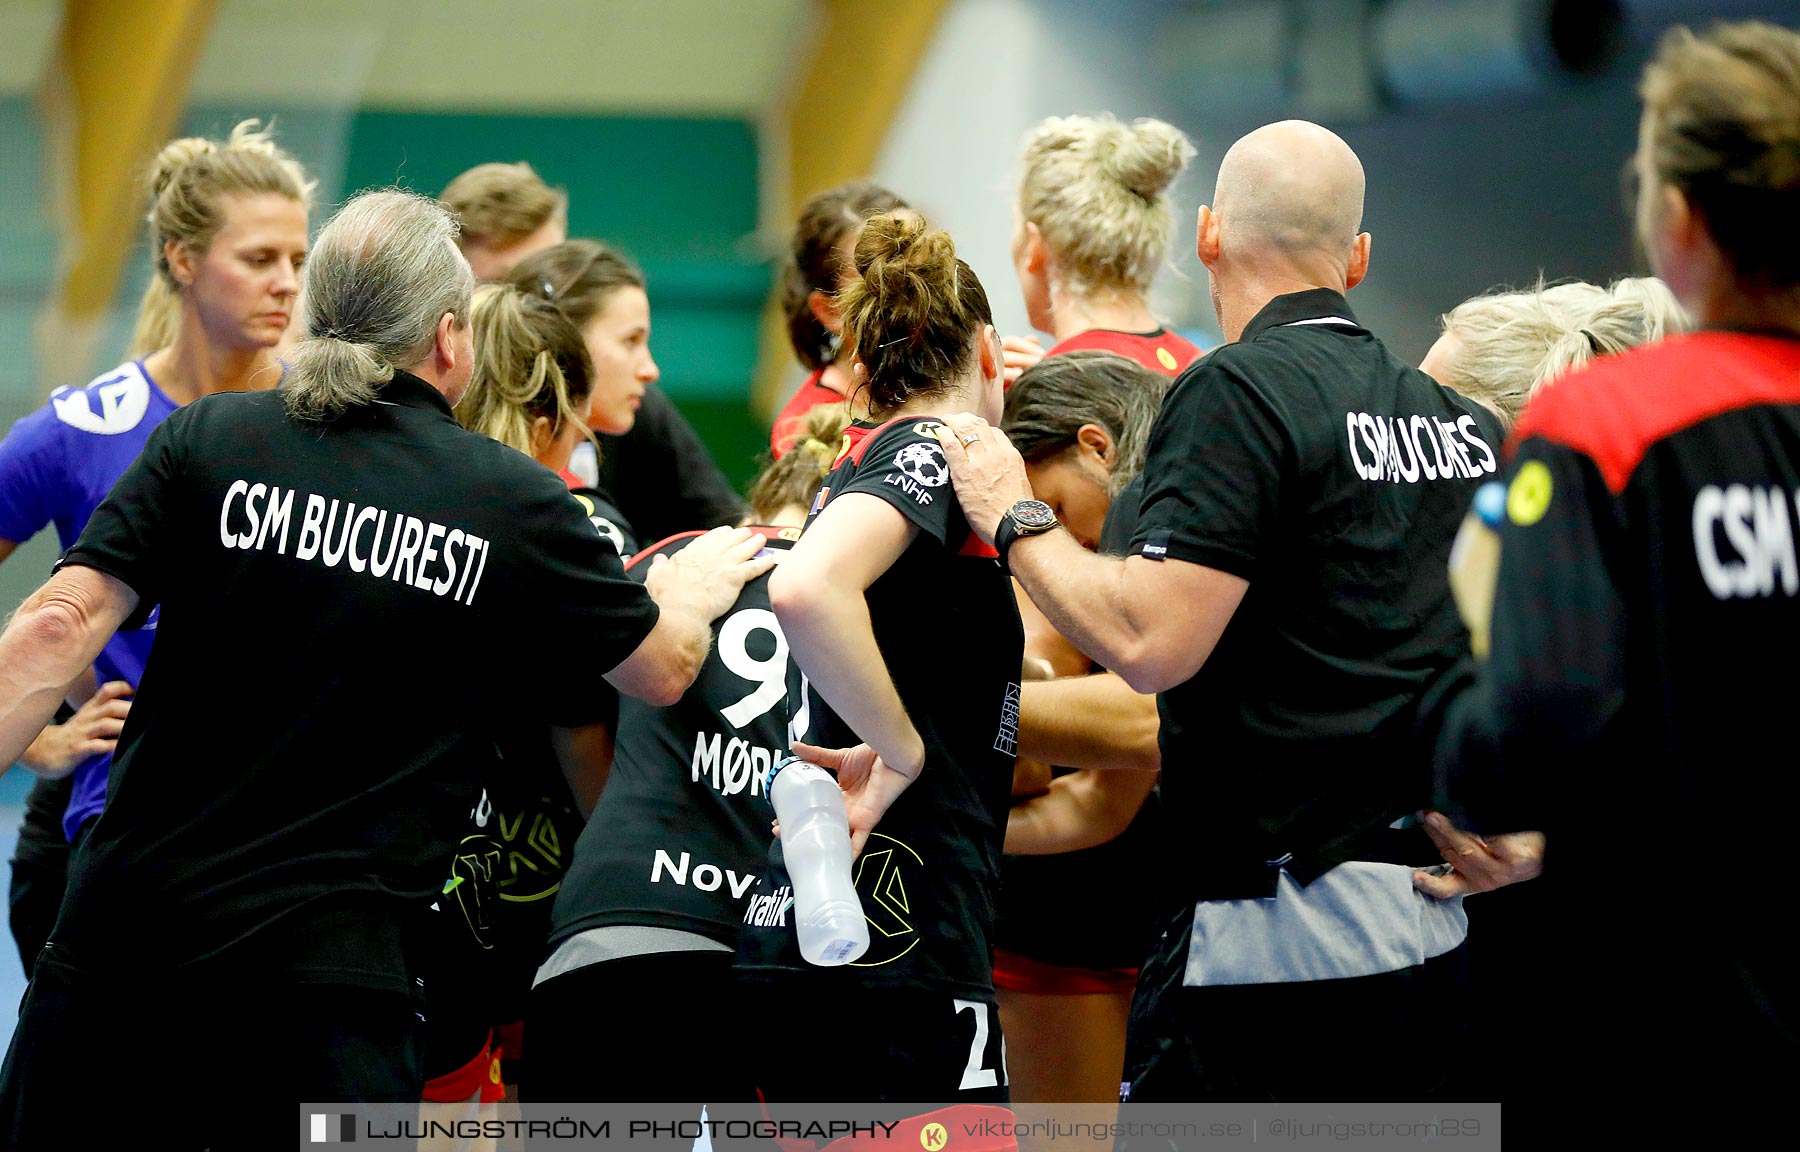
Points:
x=1034, y=515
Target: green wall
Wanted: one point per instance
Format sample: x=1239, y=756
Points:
x=678, y=194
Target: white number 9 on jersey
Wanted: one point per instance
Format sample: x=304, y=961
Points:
x=768, y=674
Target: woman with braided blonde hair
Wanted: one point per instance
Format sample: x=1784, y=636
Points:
x=631, y=955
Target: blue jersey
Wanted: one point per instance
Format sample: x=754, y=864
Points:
x=56, y=465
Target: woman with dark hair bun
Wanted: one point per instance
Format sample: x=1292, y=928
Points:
x=819, y=260
x=921, y=736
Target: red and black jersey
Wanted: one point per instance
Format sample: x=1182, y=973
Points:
x=1632, y=704
x=1160, y=351
x=681, y=831
x=603, y=513
x=948, y=628
x=790, y=425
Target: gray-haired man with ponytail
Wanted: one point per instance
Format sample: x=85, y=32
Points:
x=357, y=581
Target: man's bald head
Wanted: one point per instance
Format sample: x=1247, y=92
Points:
x=1291, y=189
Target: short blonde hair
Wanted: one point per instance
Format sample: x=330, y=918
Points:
x=1511, y=344
x=502, y=203
x=1096, y=188
x=188, y=182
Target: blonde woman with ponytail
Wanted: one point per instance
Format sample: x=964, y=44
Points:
x=1093, y=227
x=227, y=221
x=531, y=383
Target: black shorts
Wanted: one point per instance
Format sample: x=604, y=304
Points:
x=663, y=1028
x=93, y=1057
x=829, y=1038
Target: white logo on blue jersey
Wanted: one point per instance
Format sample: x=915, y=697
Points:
x=106, y=407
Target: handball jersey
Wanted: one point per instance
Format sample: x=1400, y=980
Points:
x=56, y=466
x=514, y=854
x=948, y=629
x=1160, y=351
x=1118, y=883
x=1648, y=584
x=681, y=832
x=791, y=422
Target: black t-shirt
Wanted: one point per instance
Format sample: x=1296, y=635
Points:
x=1116, y=884
x=682, y=830
x=928, y=873
x=1647, y=594
x=604, y=514
x=483, y=946
x=1332, y=476
x=665, y=479
x=344, y=609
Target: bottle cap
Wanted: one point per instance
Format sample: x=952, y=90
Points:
x=1490, y=503
x=769, y=784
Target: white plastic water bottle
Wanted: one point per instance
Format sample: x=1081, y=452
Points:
x=815, y=843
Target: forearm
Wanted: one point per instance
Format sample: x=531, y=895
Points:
x=1089, y=722
x=585, y=755
x=1080, y=811
x=78, y=690
x=49, y=642
x=1082, y=595
x=833, y=642
x=666, y=662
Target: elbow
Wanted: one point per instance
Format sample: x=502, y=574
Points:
x=1148, y=670
x=679, y=670
x=50, y=623
x=793, y=597
x=667, y=690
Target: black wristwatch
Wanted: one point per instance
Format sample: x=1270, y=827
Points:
x=1026, y=518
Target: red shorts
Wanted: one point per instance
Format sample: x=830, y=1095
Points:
x=510, y=1040
x=481, y=1074
x=1016, y=973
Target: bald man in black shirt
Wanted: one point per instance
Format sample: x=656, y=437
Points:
x=1285, y=595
